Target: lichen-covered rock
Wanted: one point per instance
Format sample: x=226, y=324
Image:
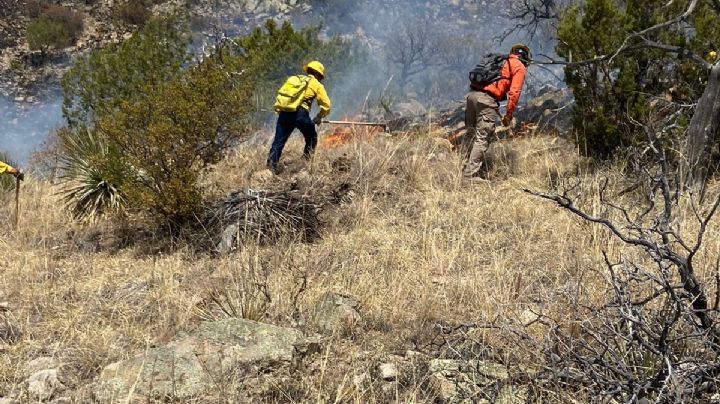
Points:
x=464, y=381
x=336, y=313
x=195, y=362
x=44, y=384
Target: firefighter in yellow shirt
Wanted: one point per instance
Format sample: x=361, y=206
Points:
x=300, y=119
x=6, y=168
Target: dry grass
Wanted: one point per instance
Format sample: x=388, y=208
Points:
x=412, y=242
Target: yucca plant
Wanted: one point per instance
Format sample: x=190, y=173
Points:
x=92, y=174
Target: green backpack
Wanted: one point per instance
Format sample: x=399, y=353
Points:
x=291, y=94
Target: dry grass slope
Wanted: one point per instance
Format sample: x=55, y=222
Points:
x=413, y=243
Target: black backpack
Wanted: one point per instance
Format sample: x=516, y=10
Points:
x=487, y=70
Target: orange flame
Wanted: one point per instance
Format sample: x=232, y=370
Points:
x=341, y=135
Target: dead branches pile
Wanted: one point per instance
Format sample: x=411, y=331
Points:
x=264, y=216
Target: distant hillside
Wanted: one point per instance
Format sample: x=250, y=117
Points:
x=27, y=70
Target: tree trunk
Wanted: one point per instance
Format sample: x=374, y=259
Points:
x=703, y=132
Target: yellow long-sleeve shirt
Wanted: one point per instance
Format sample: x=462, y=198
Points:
x=316, y=91
x=5, y=168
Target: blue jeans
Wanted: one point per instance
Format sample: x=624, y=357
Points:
x=286, y=123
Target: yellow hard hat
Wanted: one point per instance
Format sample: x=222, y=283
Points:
x=711, y=56
x=316, y=66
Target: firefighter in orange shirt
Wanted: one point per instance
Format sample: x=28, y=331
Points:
x=483, y=104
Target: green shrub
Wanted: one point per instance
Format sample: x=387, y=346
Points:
x=611, y=94
x=168, y=137
x=56, y=27
x=141, y=127
x=134, y=12
x=96, y=85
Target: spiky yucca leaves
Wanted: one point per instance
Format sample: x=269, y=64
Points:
x=91, y=174
x=265, y=216
x=7, y=182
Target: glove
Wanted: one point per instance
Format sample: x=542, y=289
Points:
x=506, y=120
x=317, y=120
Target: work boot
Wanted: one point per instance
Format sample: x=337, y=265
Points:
x=273, y=169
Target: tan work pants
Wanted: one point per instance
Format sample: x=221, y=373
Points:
x=481, y=112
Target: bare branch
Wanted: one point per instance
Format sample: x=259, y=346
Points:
x=645, y=44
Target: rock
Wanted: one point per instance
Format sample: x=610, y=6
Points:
x=414, y=355
x=361, y=381
x=512, y=395
x=44, y=384
x=528, y=317
x=336, y=312
x=228, y=241
x=42, y=377
x=38, y=364
x=388, y=371
x=411, y=108
x=457, y=381
x=551, y=109
x=194, y=362
x=303, y=179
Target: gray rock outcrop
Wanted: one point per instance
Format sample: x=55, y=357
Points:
x=43, y=378
x=193, y=363
x=464, y=381
x=336, y=313
x=551, y=109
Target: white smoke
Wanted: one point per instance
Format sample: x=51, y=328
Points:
x=24, y=126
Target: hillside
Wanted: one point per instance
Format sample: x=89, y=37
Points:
x=27, y=72
x=154, y=255
x=424, y=272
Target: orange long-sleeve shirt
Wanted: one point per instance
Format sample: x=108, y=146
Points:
x=510, y=85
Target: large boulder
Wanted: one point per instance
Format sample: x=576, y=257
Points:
x=551, y=109
x=193, y=363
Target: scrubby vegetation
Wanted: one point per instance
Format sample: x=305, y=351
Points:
x=161, y=118
x=134, y=12
x=439, y=267
x=559, y=280
x=55, y=27
x=273, y=52
x=614, y=93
